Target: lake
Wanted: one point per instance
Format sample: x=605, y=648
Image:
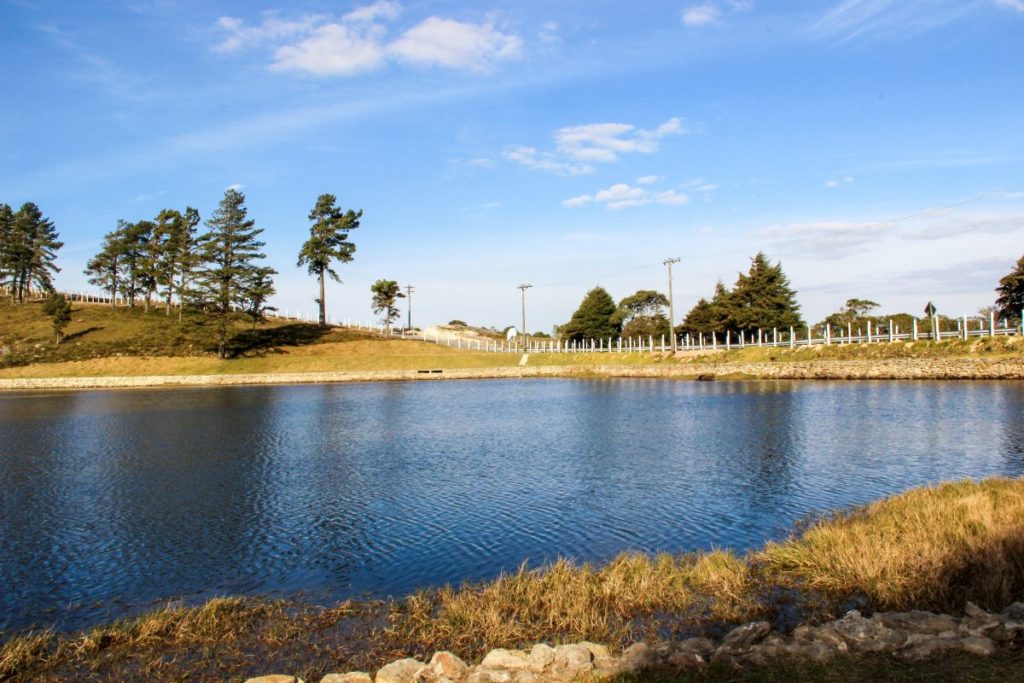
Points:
x=114, y=501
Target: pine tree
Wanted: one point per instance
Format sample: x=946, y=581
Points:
x=105, y=267
x=1011, y=292
x=593, y=319
x=328, y=241
x=6, y=246
x=763, y=299
x=59, y=310
x=386, y=293
x=31, y=251
x=134, y=256
x=256, y=292
x=173, y=251
x=228, y=252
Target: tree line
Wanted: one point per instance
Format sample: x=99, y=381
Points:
x=28, y=251
x=760, y=299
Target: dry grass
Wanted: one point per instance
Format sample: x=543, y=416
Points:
x=929, y=548
x=933, y=546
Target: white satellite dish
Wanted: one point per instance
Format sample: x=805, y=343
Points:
x=512, y=334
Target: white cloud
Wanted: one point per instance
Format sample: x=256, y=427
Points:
x=237, y=187
x=604, y=142
x=1015, y=5
x=622, y=196
x=833, y=183
x=332, y=49
x=388, y=10
x=357, y=42
x=481, y=162
x=544, y=161
x=647, y=180
x=700, y=15
x=455, y=44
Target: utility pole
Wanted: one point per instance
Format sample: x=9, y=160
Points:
x=523, y=289
x=671, y=303
x=409, y=290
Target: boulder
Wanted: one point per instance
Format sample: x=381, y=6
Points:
x=541, y=657
x=637, y=656
x=867, y=635
x=500, y=658
x=1014, y=612
x=978, y=646
x=697, y=646
x=489, y=676
x=274, y=678
x=742, y=637
x=573, y=660
x=814, y=650
x=918, y=621
x=443, y=666
x=351, y=677
x=930, y=647
x=402, y=671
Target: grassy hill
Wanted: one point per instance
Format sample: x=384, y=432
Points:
x=121, y=342
x=102, y=341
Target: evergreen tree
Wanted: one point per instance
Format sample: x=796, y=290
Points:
x=700, y=320
x=59, y=310
x=328, y=241
x=173, y=253
x=134, y=259
x=763, y=299
x=6, y=246
x=30, y=244
x=640, y=315
x=257, y=290
x=386, y=293
x=228, y=252
x=105, y=267
x=1011, y=292
x=593, y=319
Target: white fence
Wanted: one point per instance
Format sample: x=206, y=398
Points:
x=774, y=338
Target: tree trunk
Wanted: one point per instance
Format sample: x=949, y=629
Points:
x=323, y=304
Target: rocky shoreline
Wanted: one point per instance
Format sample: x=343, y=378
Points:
x=913, y=636
x=903, y=368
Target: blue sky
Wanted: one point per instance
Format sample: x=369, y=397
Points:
x=875, y=147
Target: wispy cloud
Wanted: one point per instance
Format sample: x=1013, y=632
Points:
x=544, y=161
x=622, y=196
x=700, y=15
x=1015, y=5
x=577, y=148
x=833, y=183
x=357, y=42
x=865, y=19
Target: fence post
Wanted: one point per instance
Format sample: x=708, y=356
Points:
x=728, y=340
x=890, y=330
x=991, y=323
x=792, y=337
x=915, y=329
x=810, y=340
x=828, y=335
x=965, y=332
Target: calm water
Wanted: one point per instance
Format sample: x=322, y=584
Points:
x=113, y=501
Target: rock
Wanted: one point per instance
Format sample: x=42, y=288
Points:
x=401, y=671
x=972, y=610
x=500, y=658
x=742, y=637
x=573, y=660
x=541, y=657
x=443, y=666
x=867, y=635
x=917, y=621
x=1014, y=612
x=698, y=646
x=637, y=656
x=978, y=646
x=685, y=659
x=930, y=647
x=814, y=650
x=352, y=677
x=527, y=677
x=489, y=676
x=274, y=678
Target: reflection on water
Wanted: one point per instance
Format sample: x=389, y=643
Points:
x=114, y=501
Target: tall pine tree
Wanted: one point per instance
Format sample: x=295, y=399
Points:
x=173, y=253
x=104, y=269
x=328, y=241
x=1011, y=292
x=30, y=244
x=229, y=252
x=763, y=299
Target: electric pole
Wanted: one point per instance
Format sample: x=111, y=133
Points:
x=523, y=289
x=409, y=290
x=671, y=303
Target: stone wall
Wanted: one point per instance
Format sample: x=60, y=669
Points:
x=910, y=635
x=931, y=368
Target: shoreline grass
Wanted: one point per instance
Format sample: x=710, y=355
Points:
x=928, y=548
